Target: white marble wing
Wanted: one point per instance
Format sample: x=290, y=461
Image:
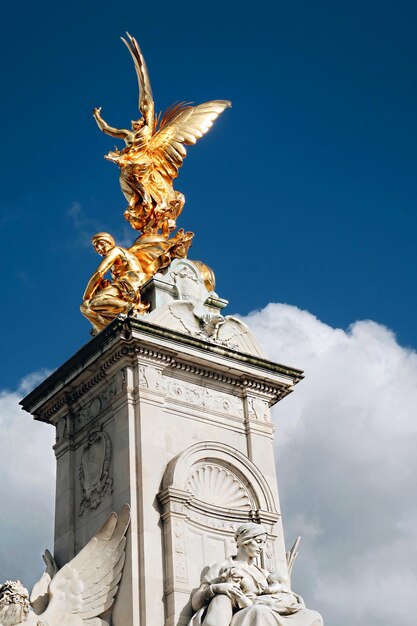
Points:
x=177, y=315
x=85, y=587
x=184, y=312
x=39, y=598
x=236, y=335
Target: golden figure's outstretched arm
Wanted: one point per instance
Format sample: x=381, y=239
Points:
x=120, y=133
x=146, y=104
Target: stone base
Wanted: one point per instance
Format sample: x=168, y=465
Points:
x=179, y=428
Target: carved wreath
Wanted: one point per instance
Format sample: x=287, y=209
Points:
x=94, y=470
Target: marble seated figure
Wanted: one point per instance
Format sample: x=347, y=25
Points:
x=237, y=592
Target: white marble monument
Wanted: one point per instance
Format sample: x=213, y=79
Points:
x=165, y=416
x=169, y=413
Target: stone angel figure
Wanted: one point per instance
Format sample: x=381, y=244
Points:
x=77, y=594
x=154, y=152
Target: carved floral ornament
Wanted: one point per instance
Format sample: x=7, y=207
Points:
x=189, y=393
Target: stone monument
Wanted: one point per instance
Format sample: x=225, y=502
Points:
x=167, y=410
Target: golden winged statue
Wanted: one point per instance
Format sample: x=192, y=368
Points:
x=154, y=152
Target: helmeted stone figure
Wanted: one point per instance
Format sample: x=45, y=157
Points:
x=237, y=592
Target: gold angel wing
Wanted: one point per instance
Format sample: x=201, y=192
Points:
x=146, y=104
x=183, y=124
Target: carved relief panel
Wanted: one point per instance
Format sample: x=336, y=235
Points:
x=258, y=409
x=95, y=407
x=180, y=563
x=188, y=393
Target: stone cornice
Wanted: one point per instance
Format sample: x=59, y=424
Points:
x=146, y=328
x=123, y=339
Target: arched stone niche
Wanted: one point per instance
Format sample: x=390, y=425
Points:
x=207, y=492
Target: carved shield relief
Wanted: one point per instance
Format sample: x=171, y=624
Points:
x=94, y=469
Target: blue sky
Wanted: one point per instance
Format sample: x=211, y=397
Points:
x=304, y=192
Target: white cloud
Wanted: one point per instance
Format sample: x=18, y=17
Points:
x=84, y=227
x=27, y=486
x=347, y=464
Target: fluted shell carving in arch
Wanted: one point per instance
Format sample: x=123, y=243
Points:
x=216, y=485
